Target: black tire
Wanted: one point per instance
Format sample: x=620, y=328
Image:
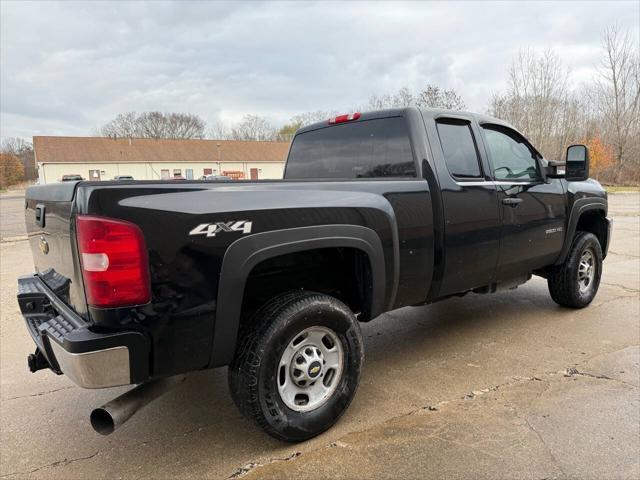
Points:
x=564, y=287
x=253, y=374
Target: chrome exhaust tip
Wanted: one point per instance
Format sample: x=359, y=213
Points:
x=110, y=416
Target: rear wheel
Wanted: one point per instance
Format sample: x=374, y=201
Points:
x=575, y=283
x=298, y=365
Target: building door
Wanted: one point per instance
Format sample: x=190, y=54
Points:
x=189, y=173
x=254, y=173
x=94, y=175
x=164, y=174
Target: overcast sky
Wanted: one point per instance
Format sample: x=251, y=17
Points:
x=68, y=67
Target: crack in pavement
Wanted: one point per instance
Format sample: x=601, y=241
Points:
x=542, y=440
x=64, y=462
x=623, y=254
x=247, y=467
x=515, y=380
x=39, y=394
x=572, y=372
x=623, y=287
x=605, y=302
x=57, y=463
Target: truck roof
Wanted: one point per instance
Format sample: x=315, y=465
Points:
x=430, y=112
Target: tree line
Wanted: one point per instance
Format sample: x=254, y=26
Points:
x=603, y=113
x=258, y=128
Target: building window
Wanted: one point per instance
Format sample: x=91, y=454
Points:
x=207, y=171
x=164, y=174
x=189, y=173
x=177, y=172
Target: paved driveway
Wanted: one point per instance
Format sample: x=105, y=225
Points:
x=12, y=216
x=487, y=386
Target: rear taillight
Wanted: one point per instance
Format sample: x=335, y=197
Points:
x=344, y=118
x=114, y=262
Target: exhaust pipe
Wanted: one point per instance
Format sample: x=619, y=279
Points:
x=107, y=418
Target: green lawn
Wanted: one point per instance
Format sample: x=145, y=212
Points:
x=621, y=189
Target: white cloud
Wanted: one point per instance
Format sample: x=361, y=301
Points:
x=68, y=67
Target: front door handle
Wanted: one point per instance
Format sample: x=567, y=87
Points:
x=513, y=202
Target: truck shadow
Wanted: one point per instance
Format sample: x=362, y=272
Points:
x=414, y=356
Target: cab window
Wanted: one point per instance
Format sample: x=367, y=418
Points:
x=511, y=155
x=459, y=149
x=366, y=149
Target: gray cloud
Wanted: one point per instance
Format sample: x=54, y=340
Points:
x=68, y=67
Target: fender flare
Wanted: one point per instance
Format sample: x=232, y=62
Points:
x=247, y=252
x=580, y=206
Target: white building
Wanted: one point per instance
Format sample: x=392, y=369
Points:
x=100, y=158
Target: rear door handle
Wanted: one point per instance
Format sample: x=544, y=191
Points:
x=512, y=201
x=40, y=209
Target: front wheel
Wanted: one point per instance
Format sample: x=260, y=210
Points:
x=575, y=283
x=297, y=365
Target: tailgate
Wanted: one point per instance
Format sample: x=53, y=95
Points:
x=49, y=217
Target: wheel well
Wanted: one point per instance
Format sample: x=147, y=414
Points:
x=344, y=273
x=593, y=221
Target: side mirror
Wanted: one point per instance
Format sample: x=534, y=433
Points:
x=577, y=165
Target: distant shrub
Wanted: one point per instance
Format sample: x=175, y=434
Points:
x=11, y=170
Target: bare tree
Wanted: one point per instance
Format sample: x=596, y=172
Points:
x=538, y=102
x=288, y=130
x=219, y=131
x=154, y=125
x=435, y=97
x=431, y=97
x=616, y=97
x=124, y=125
x=381, y=102
x=254, y=127
x=307, y=118
x=404, y=98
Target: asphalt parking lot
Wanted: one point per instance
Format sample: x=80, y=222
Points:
x=486, y=386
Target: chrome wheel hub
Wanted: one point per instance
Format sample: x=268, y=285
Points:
x=310, y=369
x=586, y=271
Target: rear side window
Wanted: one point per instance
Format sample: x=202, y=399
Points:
x=367, y=149
x=459, y=148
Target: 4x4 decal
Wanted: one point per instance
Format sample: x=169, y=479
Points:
x=211, y=229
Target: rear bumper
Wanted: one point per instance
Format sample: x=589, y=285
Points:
x=64, y=339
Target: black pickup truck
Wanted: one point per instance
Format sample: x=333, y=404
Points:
x=139, y=282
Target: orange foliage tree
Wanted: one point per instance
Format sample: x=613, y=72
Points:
x=600, y=155
x=11, y=170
